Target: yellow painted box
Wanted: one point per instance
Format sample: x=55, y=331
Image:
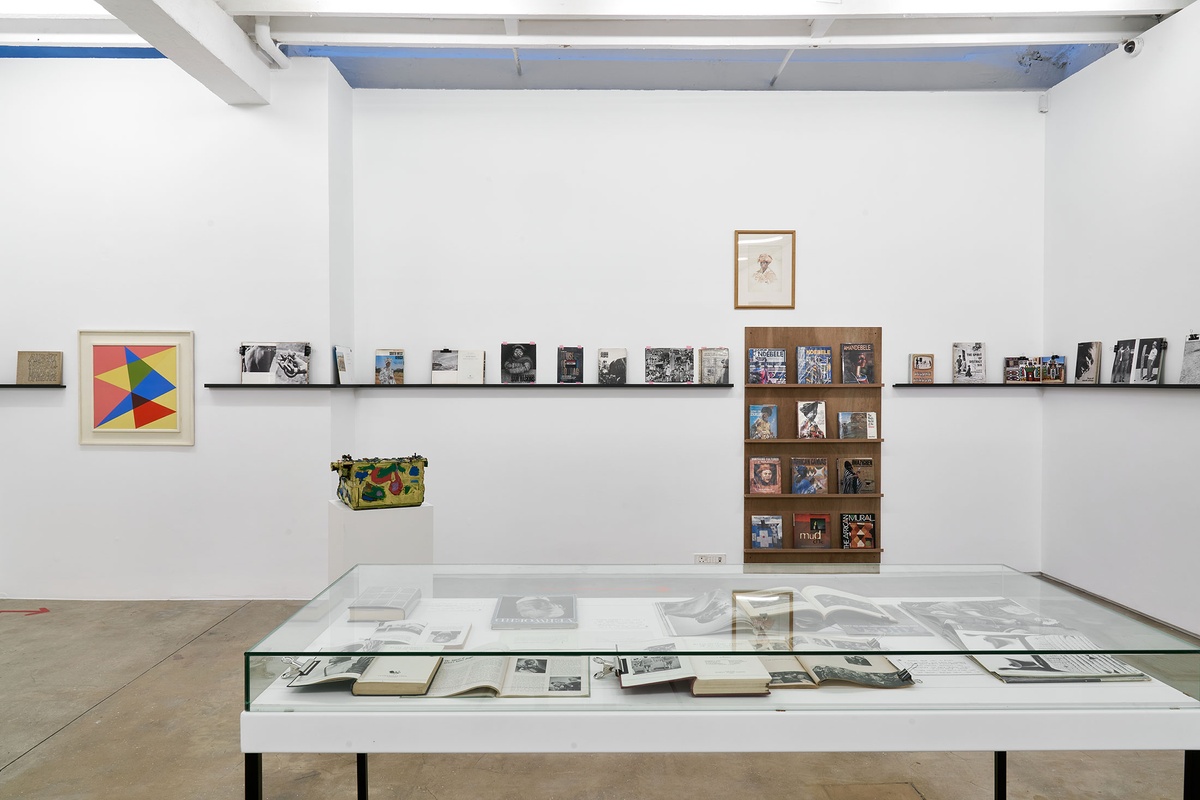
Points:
x=381, y=482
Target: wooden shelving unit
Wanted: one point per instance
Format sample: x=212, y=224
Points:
x=838, y=396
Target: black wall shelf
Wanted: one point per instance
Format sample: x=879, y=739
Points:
x=460, y=386
x=1051, y=386
x=33, y=386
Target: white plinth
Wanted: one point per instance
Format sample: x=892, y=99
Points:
x=378, y=536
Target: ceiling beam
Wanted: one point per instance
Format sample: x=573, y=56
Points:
x=204, y=41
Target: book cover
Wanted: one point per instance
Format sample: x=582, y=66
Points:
x=1031, y=370
x=343, y=365
x=534, y=612
x=858, y=531
x=1015, y=369
x=444, y=366
x=1054, y=369
x=858, y=362
x=766, y=531
x=814, y=364
x=670, y=365
x=967, y=360
x=764, y=475
x=570, y=364
x=811, y=531
x=767, y=365
x=857, y=425
x=856, y=475
x=1087, y=362
x=1147, y=368
x=518, y=362
x=764, y=422
x=39, y=367
x=920, y=367
x=1122, y=368
x=389, y=367
x=714, y=365
x=610, y=366
x=810, y=419
x=275, y=362
x=810, y=475
x=1190, y=372
x=471, y=366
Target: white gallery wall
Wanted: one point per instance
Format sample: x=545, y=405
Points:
x=1122, y=238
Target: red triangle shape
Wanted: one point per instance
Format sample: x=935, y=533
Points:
x=149, y=412
x=105, y=397
x=141, y=351
x=106, y=357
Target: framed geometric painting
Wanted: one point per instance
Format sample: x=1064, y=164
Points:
x=136, y=387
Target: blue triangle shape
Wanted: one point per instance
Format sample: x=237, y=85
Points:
x=123, y=407
x=152, y=386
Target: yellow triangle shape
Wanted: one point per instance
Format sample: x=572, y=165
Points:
x=118, y=377
x=123, y=422
x=164, y=364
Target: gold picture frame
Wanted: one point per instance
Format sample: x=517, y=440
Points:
x=764, y=269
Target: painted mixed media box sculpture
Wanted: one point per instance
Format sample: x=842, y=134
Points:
x=381, y=482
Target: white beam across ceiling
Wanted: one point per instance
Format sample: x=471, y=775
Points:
x=204, y=41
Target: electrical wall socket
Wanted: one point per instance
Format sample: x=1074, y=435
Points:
x=710, y=558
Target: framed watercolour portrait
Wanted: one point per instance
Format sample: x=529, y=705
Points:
x=764, y=269
x=136, y=387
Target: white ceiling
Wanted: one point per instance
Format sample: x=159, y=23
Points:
x=751, y=45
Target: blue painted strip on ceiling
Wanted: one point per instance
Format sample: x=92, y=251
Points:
x=9, y=51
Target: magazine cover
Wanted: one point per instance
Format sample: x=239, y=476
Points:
x=1014, y=369
x=766, y=531
x=610, y=366
x=1122, y=368
x=810, y=475
x=570, y=364
x=858, y=531
x=810, y=419
x=529, y=612
x=811, y=530
x=856, y=475
x=714, y=365
x=1148, y=366
x=275, y=362
x=857, y=425
x=1054, y=369
x=920, y=368
x=767, y=365
x=518, y=362
x=443, y=365
x=1087, y=362
x=814, y=364
x=967, y=361
x=764, y=422
x=389, y=367
x=764, y=475
x=670, y=365
x=858, y=363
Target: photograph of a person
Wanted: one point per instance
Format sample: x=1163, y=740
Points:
x=518, y=363
x=537, y=665
x=764, y=476
x=534, y=611
x=764, y=271
x=566, y=683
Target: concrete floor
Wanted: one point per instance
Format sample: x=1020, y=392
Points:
x=136, y=700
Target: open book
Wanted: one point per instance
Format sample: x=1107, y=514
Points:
x=512, y=676
x=810, y=608
x=709, y=675
x=805, y=670
x=370, y=674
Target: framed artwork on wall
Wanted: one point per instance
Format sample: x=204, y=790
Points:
x=136, y=388
x=764, y=269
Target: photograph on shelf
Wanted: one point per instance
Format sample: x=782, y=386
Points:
x=764, y=475
x=811, y=531
x=1190, y=372
x=275, y=362
x=1021, y=369
x=39, y=367
x=670, y=365
x=714, y=365
x=1147, y=368
x=1122, y=368
x=764, y=422
x=389, y=367
x=766, y=531
x=968, y=362
x=810, y=419
x=857, y=425
x=1053, y=369
x=136, y=388
x=343, y=365
x=764, y=274
x=1031, y=370
x=518, y=362
x=920, y=367
x=858, y=531
x=570, y=364
x=814, y=364
x=810, y=475
x=856, y=475
x=610, y=366
x=1087, y=362
x=767, y=365
x=443, y=366
x=858, y=362
x=762, y=612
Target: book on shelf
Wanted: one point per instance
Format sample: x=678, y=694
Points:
x=811, y=608
x=670, y=365
x=810, y=419
x=764, y=475
x=858, y=425
x=982, y=625
x=858, y=362
x=1087, y=362
x=1122, y=368
x=810, y=475
x=511, y=676
x=444, y=366
x=858, y=531
x=570, y=364
x=714, y=365
x=1190, y=372
x=1147, y=367
x=534, y=612
x=811, y=531
x=611, y=366
x=518, y=362
x=1053, y=369
x=471, y=366
x=383, y=603
x=39, y=367
x=389, y=367
x=275, y=362
x=343, y=365
x=920, y=367
x=707, y=675
x=764, y=421
x=1016, y=369
x=369, y=674
x=856, y=475
x=865, y=666
x=967, y=360
x=766, y=531
x=814, y=364
x=767, y=365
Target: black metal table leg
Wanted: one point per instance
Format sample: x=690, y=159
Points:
x=1001, y=783
x=362, y=776
x=254, y=776
x=1191, y=775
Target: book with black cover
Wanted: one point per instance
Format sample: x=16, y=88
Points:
x=570, y=364
x=856, y=475
x=1087, y=362
x=518, y=362
x=858, y=362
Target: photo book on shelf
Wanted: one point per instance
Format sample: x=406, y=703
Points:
x=39, y=367
x=764, y=421
x=766, y=531
x=858, y=362
x=764, y=475
x=1087, y=362
x=610, y=366
x=810, y=419
x=714, y=365
x=570, y=364
x=767, y=365
x=343, y=365
x=275, y=362
x=389, y=367
x=1053, y=369
x=968, y=362
x=1148, y=358
x=814, y=364
x=920, y=368
x=518, y=362
x=810, y=474
x=811, y=531
x=856, y=475
x=858, y=531
x=858, y=425
x=670, y=365
x=1122, y=368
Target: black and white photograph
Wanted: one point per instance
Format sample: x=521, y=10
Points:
x=566, y=683
x=535, y=665
x=641, y=665
x=518, y=362
x=1087, y=363
x=275, y=362
x=444, y=366
x=706, y=613
x=447, y=635
x=670, y=365
x=1123, y=356
x=611, y=366
x=1190, y=372
x=1147, y=368
x=967, y=361
x=534, y=611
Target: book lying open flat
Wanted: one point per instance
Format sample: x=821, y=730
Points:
x=512, y=676
x=810, y=608
x=806, y=670
x=369, y=674
x=707, y=675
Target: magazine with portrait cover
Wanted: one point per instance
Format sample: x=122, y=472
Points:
x=274, y=362
x=766, y=531
x=389, y=367
x=611, y=366
x=570, y=364
x=968, y=363
x=1087, y=362
x=766, y=365
x=764, y=421
x=810, y=475
x=764, y=475
x=1148, y=359
x=534, y=612
x=670, y=365
x=858, y=362
x=1123, y=352
x=518, y=362
x=814, y=364
x=856, y=475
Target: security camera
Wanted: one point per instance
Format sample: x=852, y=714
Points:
x=1133, y=46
